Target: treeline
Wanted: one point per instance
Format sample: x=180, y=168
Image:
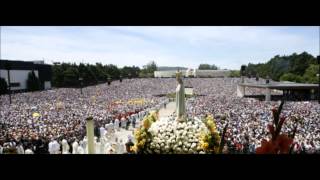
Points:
x=208, y=67
x=70, y=74
x=301, y=68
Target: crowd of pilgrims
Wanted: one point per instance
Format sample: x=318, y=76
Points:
x=61, y=125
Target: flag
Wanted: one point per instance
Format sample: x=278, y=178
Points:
x=36, y=115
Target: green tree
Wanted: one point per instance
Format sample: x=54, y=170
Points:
x=3, y=86
x=291, y=77
x=132, y=72
x=70, y=76
x=151, y=67
x=310, y=75
x=280, y=66
x=57, y=76
x=234, y=73
x=33, y=83
x=148, y=70
x=112, y=71
x=208, y=67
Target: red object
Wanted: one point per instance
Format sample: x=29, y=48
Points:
x=271, y=129
x=282, y=119
x=279, y=146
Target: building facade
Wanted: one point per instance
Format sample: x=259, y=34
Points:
x=194, y=73
x=19, y=71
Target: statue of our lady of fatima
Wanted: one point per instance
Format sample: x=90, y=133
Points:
x=180, y=98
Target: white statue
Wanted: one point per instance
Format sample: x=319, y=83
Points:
x=180, y=98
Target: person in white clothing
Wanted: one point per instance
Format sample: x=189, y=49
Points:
x=75, y=146
x=65, y=147
x=51, y=147
x=98, y=147
x=116, y=124
x=28, y=151
x=1, y=149
x=102, y=146
x=111, y=127
x=56, y=147
x=20, y=149
x=102, y=131
x=80, y=149
x=84, y=145
x=121, y=147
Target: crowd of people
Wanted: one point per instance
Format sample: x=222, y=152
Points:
x=248, y=118
x=34, y=119
x=46, y=121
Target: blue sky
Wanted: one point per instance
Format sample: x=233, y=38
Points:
x=226, y=46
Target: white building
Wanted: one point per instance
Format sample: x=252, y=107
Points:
x=194, y=73
x=212, y=73
x=19, y=71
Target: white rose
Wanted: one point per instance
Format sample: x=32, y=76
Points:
x=184, y=133
x=175, y=147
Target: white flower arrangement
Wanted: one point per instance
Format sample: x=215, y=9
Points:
x=171, y=137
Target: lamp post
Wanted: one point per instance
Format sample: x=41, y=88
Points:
x=243, y=69
x=109, y=81
x=81, y=83
x=267, y=79
x=8, y=67
x=90, y=135
x=318, y=58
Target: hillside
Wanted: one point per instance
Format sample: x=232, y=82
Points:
x=296, y=67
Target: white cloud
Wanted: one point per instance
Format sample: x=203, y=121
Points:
x=228, y=47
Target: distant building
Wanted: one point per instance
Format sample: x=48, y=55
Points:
x=212, y=73
x=167, y=74
x=19, y=71
x=194, y=73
